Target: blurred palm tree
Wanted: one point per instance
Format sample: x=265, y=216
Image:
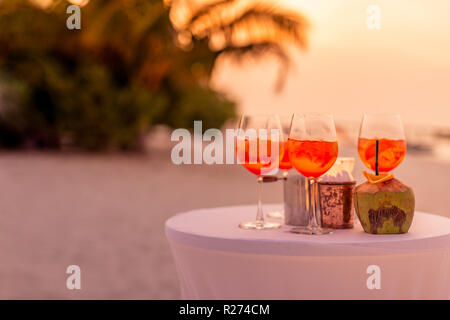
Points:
x=240, y=28
x=133, y=64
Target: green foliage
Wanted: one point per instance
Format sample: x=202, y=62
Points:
x=111, y=116
x=104, y=86
x=190, y=108
x=101, y=87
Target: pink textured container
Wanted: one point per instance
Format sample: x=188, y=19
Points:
x=336, y=204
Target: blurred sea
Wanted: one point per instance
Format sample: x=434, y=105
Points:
x=424, y=141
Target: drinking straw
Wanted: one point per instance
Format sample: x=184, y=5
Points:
x=376, y=158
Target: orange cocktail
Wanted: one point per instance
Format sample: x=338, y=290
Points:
x=312, y=158
x=285, y=162
x=256, y=154
x=390, y=153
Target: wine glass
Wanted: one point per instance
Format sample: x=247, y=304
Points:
x=313, y=149
x=285, y=163
x=259, y=149
x=387, y=132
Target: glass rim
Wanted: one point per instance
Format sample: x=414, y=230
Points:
x=259, y=115
x=381, y=114
x=313, y=115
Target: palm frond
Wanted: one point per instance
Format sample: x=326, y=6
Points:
x=256, y=21
x=249, y=28
x=207, y=9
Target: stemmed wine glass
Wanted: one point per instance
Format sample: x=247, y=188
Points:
x=313, y=149
x=285, y=163
x=386, y=131
x=259, y=149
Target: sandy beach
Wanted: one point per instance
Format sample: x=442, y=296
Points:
x=106, y=213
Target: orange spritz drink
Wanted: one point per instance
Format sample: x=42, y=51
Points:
x=385, y=132
x=256, y=155
x=313, y=149
x=285, y=162
x=312, y=158
x=260, y=152
x=390, y=153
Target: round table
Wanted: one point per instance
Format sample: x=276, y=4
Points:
x=217, y=260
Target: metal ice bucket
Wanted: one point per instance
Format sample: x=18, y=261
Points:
x=296, y=201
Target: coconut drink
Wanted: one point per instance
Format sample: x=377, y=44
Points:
x=383, y=204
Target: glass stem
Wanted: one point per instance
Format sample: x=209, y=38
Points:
x=313, y=203
x=285, y=175
x=259, y=213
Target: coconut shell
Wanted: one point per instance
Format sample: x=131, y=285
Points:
x=385, y=207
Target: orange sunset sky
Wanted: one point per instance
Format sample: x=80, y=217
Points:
x=404, y=67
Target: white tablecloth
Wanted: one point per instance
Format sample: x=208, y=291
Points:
x=217, y=260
